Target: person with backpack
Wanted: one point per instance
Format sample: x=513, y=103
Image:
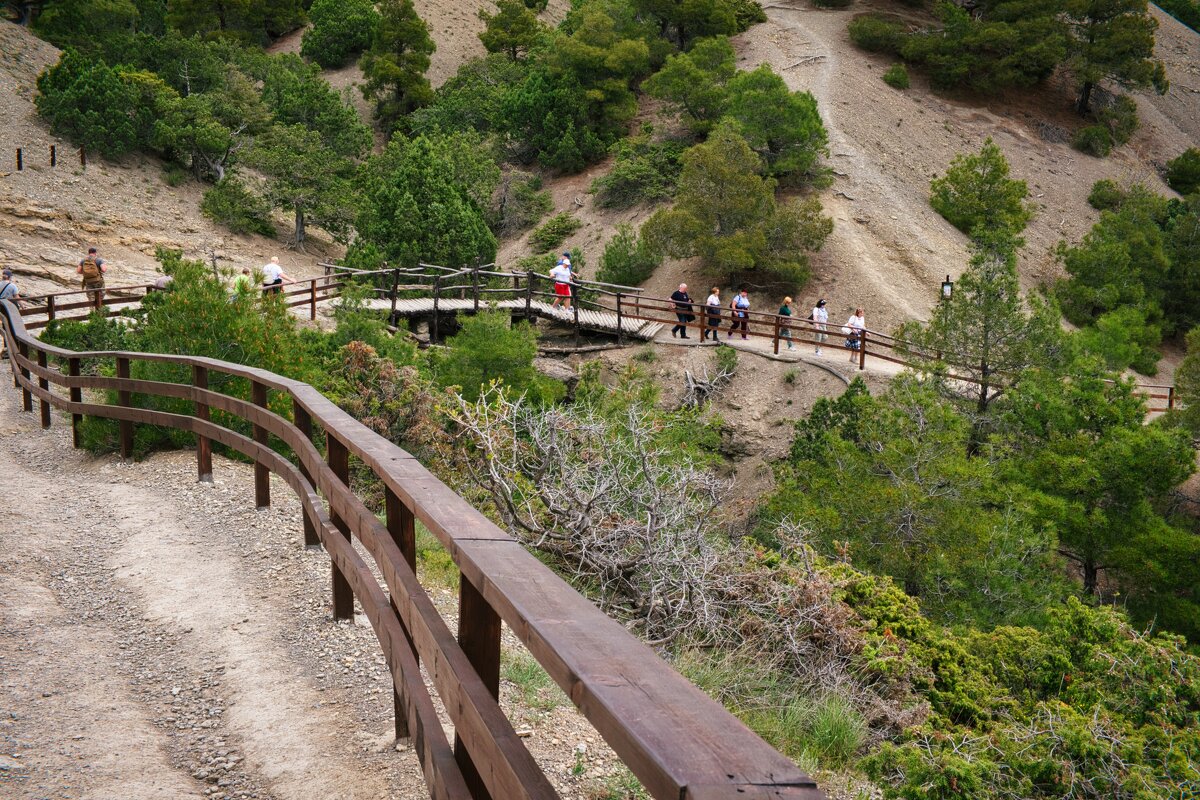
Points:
x=819, y=317
x=683, y=311
x=740, y=310
x=91, y=270
x=785, y=324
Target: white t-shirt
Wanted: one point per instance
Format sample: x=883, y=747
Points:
x=272, y=272
x=820, y=314
x=561, y=273
x=713, y=300
x=856, y=322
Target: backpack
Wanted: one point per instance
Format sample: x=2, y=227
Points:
x=811, y=316
x=91, y=269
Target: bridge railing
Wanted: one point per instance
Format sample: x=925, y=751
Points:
x=675, y=739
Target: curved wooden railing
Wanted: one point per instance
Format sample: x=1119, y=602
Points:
x=675, y=739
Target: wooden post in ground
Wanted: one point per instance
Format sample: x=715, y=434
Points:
x=53, y=155
x=338, y=458
x=44, y=385
x=312, y=300
x=479, y=637
x=20, y=161
x=395, y=294
x=402, y=526
x=124, y=398
x=26, y=395
x=620, y=329
x=76, y=397
x=437, y=289
x=50, y=310
x=775, y=335
x=475, y=289
x=262, y=475
x=203, y=443
x=862, y=349
x=528, y=294
x=83, y=157
x=303, y=422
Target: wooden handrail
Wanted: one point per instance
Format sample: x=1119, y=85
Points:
x=679, y=742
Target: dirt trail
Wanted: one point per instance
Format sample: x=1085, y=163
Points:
x=147, y=652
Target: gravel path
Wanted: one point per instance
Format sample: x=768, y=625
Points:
x=161, y=638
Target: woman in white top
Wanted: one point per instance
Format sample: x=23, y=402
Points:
x=713, y=304
x=820, y=316
x=854, y=328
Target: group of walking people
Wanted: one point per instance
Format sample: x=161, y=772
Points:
x=739, y=318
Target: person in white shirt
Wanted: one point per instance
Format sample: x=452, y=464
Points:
x=713, y=304
x=854, y=329
x=820, y=316
x=274, y=276
x=562, y=282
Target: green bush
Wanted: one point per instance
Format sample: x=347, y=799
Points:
x=627, y=259
x=1106, y=194
x=876, y=34
x=835, y=731
x=1186, y=11
x=521, y=202
x=340, y=29
x=643, y=171
x=231, y=204
x=896, y=77
x=1095, y=140
x=1183, y=172
x=555, y=231
x=487, y=349
x=746, y=13
x=1120, y=117
x=87, y=102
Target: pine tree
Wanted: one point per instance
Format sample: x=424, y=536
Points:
x=513, y=29
x=396, y=62
x=1113, y=40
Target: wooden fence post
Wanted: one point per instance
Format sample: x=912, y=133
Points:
x=26, y=395
x=475, y=289
x=395, y=294
x=76, y=397
x=312, y=299
x=528, y=294
x=402, y=526
x=124, y=398
x=53, y=155
x=20, y=161
x=338, y=458
x=1170, y=398
x=437, y=286
x=862, y=349
x=262, y=475
x=83, y=157
x=203, y=443
x=50, y=310
x=575, y=308
x=44, y=385
x=620, y=329
x=303, y=422
x=479, y=637
x=775, y=335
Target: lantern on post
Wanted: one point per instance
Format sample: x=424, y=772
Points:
x=947, y=287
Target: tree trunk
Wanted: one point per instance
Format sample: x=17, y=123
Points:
x=300, y=228
x=1091, y=573
x=1084, y=104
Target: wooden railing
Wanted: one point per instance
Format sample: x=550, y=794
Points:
x=627, y=303
x=675, y=739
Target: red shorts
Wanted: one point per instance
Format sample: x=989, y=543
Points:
x=562, y=289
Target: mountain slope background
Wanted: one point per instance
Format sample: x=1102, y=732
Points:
x=889, y=249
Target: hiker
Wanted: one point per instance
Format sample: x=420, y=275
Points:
x=91, y=270
x=854, y=330
x=562, y=282
x=740, y=312
x=819, y=317
x=713, y=305
x=274, y=277
x=683, y=311
x=785, y=325
x=8, y=291
x=243, y=283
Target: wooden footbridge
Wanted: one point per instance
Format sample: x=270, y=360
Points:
x=681, y=744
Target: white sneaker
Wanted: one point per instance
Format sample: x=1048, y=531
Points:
x=818, y=351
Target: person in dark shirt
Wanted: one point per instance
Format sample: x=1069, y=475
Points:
x=683, y=311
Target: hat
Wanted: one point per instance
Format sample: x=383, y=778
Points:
x=820, y=303
x=7, y=273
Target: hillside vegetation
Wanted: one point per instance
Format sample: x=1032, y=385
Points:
x=981, y=580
